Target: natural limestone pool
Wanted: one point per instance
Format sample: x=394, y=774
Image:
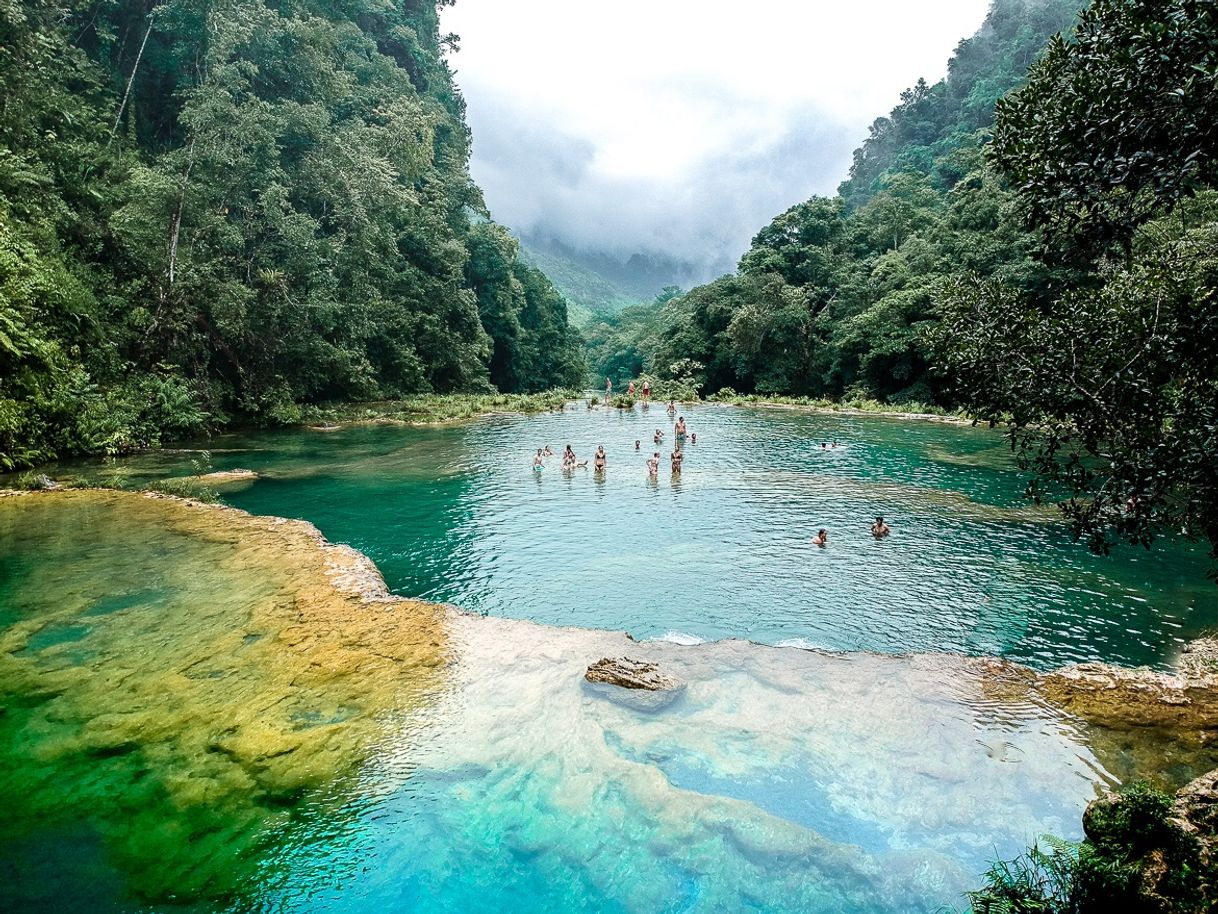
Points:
x=204, y=710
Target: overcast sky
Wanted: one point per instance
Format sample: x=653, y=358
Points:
x=681, y=127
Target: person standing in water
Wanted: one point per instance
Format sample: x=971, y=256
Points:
x=646, y=390
x=679, y=429
x=598, y=462
x=672, y=407
x=658, y=437
x=653, y=464
x=880, y=529
x=637, y=443
x=539, y=461
x=693, y=438
x=821, y=538
x=676, y=458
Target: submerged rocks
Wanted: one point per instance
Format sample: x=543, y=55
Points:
x=221, y=477
x=637, y=684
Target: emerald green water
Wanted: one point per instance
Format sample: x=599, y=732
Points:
x=454, y=514
x=781, y=781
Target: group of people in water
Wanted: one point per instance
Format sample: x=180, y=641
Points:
x=879, y=530
x=681, y=435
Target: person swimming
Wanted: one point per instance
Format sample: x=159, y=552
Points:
x=821, y=538
x=599, y=461
x=653, y=464
x=693, y=438
x=548, y=452
x=880, y=529
x=636, y=444
x=658, y=437
x=680, y=429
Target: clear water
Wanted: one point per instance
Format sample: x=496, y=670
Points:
x=454, y=514
x=781, y=781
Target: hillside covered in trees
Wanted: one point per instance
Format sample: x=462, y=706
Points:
x=220, y=211
x=832, y=297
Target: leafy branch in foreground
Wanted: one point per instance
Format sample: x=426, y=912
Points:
x=1109, y=394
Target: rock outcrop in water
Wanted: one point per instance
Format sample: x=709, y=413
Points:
x=635, y=683
x=632, y=674
x=1184, y=700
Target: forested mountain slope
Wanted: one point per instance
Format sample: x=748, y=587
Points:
x=222, y=209
x=834, y=296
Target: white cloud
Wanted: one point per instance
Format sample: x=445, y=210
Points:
x=682, y=126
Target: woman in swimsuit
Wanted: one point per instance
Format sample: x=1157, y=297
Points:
x=821, y=538
x=646, y=391
x=653, y=464
x=676, y=458
x=599, y=462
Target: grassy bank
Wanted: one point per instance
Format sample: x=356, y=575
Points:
x=425, y=409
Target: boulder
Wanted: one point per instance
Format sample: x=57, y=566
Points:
x=635, y=683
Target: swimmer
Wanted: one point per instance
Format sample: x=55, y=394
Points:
x=679, y=430
x=693, y=438
x=599, y=462
x=636, y=444
x=548, y=452
x=539, y=461
x=880, y=529
x=823, y=446
x=676, y=458
x=658, y=437
x=821, y=538
x=653, y=464
x=835, y=444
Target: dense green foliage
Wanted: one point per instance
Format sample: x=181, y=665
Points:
x=1108, y=871
x=1111, y=388
x=1116, y=124
x=835, y=295
x=235, y=207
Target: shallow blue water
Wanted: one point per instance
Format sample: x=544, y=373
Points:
x=454, y=514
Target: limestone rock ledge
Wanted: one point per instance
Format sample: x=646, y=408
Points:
x=1183, y=700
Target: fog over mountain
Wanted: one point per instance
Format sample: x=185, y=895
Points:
x=675, y=130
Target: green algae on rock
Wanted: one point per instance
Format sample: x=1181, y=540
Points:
x=194, y=694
